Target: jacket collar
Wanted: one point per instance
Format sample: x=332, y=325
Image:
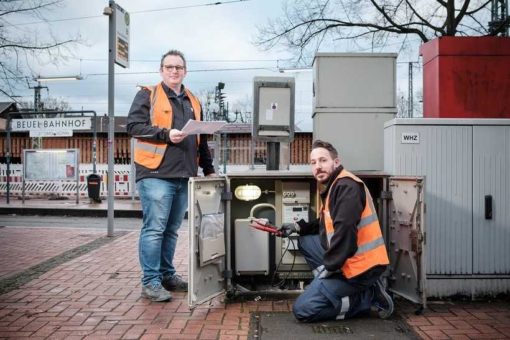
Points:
x=332, y=178
x=171, y=94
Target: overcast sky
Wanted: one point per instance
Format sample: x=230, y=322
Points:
x=214, y=39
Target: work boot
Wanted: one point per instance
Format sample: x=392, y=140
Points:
x=381, y=300
x=175, y=283
x=155, y=292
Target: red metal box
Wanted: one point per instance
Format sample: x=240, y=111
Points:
x=466, y=77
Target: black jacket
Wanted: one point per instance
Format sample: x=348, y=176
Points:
x=180, y=160
x=346, y=203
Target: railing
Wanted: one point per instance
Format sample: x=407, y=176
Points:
x=237, y=148
x=124, y=184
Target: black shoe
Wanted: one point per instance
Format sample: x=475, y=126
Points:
x=382, y=301
x=174, y=283
x=155, y=293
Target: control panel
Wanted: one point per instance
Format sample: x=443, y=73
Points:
x=295, y=201
x=295, y=206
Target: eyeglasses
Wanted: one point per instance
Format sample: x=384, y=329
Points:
x=174, y=67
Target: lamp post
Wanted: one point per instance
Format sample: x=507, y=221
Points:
x=110, y=11
x=37, y=141
x=57, y=78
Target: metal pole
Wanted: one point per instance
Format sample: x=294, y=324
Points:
x=504, y=13
x=132, y=173
x=38, y=107
x=94, y=145
x=77, y=176
x=252, y=153
x=410, y=93
x=111, y=124
x=36, y=142
x=225, y=153
x=8, y=157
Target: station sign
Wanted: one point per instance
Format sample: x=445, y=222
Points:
x=121, y=36
x=51, y=127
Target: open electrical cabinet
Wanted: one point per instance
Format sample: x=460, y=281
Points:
x=228, y=256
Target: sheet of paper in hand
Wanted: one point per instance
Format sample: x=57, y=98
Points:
x=194, y=127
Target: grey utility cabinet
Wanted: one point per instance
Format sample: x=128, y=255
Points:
x=354, y=94
x=466, y=166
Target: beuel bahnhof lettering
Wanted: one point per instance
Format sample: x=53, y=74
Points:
x=81, y=123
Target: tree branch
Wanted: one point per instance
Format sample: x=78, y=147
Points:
x=19, y=10
x=47, y=47
x=425, y=22
x=484, y=5
x=306, y=26
x=462, y=12
x=399, y=27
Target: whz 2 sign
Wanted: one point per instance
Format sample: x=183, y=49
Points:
x=410, y=138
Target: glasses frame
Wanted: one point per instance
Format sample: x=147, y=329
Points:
x=170, y=68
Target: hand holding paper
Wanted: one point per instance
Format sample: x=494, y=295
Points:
x=194, y=127
x=176, y=136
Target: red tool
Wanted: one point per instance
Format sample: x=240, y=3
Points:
x=264, y=225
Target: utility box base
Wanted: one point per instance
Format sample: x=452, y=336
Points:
x=466, y=77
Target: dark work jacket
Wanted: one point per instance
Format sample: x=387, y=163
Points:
x=347, y=201
x=180, y=160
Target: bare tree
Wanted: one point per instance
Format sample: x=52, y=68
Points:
x=309, y=23
x=243, y=106
x=21, y=44
x=49, y=104
x=403, y=105
x=206, y=98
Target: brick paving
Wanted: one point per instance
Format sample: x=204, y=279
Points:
x=462, y=320
x=97, y=296
x=21, y=248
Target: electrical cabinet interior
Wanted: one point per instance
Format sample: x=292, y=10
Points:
x=257, y=252
x=239, y=259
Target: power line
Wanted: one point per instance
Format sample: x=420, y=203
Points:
x=131, y=13
x=191, y=60
x=85, y=75
x=189, y=71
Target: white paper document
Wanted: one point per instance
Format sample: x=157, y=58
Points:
x=194, y=127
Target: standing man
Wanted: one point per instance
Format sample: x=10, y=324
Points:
x=165, y=158
x=345, y=247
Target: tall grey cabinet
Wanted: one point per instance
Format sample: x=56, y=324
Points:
x=466, y=165
x=354, y=94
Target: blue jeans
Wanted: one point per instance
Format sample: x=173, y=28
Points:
x=334, y=297
x=164, y=203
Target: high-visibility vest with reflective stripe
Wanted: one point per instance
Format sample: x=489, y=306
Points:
x=150, y=153
x=371, y=248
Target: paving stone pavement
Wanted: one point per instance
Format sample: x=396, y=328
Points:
x=97, y=296
x=21, y=248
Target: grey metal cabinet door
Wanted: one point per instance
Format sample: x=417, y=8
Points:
x=207, y=252
x=406, y=238
x=491, y=200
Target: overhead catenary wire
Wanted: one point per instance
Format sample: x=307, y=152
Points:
x=217, y=3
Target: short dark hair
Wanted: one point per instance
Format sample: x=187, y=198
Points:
x=173, y=52
x=325, y=145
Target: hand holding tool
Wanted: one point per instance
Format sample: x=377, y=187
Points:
x=264, y=225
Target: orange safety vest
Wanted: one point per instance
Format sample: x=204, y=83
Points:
x=371, y=248
x=150, y=153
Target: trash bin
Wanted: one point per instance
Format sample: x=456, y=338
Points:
x=94, y=186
